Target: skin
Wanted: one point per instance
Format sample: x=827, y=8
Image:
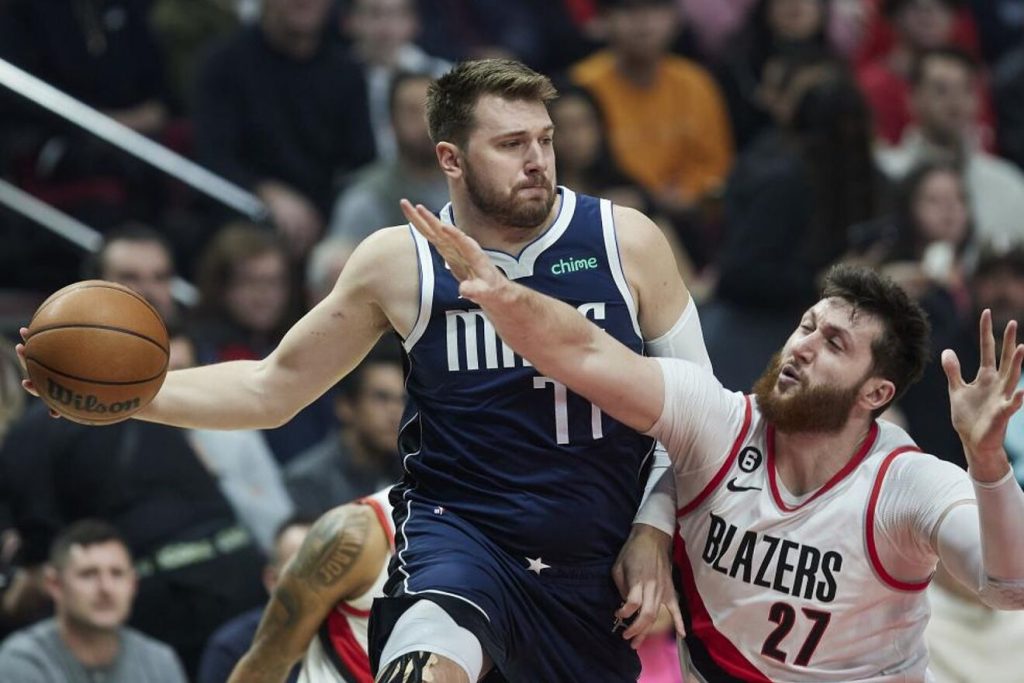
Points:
x=338, y=560
x=145, y=267
x=830, y=346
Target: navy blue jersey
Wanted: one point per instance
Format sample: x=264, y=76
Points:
x=539, y=470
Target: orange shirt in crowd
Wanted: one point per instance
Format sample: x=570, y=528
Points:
x=670, y=135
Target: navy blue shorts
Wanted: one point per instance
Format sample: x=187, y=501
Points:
x=551, y=627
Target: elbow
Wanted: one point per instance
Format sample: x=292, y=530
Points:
x=1005, y=595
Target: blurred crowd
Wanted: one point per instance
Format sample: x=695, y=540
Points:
x=768, y=138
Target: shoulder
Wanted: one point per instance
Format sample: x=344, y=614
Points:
x=635, y=232
x=588, y=71
x=996, y=170
x=689, y=72
x=386, y=254
x=237, y=633
x=27, y=644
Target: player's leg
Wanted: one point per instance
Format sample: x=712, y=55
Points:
x=426, y=645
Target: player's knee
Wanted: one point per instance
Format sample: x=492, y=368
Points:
x=422, y=667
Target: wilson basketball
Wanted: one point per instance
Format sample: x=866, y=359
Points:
x=96, y=352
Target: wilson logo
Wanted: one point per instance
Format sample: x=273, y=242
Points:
x=572, y=265
x=87, y=403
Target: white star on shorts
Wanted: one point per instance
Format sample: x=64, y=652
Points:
x=537, y=565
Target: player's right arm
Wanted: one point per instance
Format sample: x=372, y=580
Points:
x=340, y=559
x=322, y=347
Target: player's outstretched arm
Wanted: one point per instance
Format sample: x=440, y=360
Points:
x=339, y=559
x=316, y=352
x=552, y=335
x=991, y=562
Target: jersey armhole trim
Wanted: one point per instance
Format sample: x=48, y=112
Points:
x=869, y=527
x=611, y=245
x=726, y=466
x=383, y=518
x=425, y=266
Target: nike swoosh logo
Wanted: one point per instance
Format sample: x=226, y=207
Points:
x=732, y=486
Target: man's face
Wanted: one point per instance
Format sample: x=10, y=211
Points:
x=143, y=266
x=643, y=32
x=509, y=163
x=796, y=19
x=376, y=411
x=96, y=587
x=298, y=17
x=1001, y=288
x=257, y=294
x=925, y=24
x=409, y=120
x=382, y=26
x=945, y=100
x=813, y=383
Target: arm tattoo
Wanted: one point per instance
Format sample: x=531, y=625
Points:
x=334, y=544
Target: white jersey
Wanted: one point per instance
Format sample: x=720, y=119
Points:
x=779, y=588
x=338, y=653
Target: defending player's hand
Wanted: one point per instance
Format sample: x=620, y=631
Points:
x=479, y=279
x=981, y=409
x=643, y=575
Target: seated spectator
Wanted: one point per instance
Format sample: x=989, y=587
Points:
x=324, y=266
x=773, y=28
x=667, y=123
x=228, y=643
x=788, y=207
x=362, y=457
x=382, y=34
x=918, y=25
x=247, y=301
x=944, y=102
x=282, y=111
x=371, y=201
x=92, y=582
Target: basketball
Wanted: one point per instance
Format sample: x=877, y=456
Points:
x=96, y=352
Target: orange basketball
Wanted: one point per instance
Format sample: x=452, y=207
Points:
x=96, y=352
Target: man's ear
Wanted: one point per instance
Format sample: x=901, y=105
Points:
x=877, y=393
x=450, y=159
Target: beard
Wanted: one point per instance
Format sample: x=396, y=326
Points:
x=509, y=210
x=822, y=409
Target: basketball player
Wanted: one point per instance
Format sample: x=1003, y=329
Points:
x=518, y=494
x=807, y=528
x=321, y=604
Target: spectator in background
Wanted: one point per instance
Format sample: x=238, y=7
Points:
x=1008, y=90
x=362, y=457
x=92, y=582
x=382, y=34
x=228, y=643
x=919, y=26
x=773, y=28
x=371, y=201
x=282, y=111
x=324, y=266
x=667, y=123
x=184, y=30
x=247, y=301
x=789, y=205
x=944, y=103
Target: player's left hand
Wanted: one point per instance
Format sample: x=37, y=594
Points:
x=479, y=280
x=981, y=409
x=643, y=575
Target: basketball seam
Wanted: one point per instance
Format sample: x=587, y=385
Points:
x=122, y=288
x=109, y=383
x=93, y=326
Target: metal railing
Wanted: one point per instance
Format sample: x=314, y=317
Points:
x=119, y=135
x=74, y=231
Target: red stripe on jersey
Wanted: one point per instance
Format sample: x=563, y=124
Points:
x=348, y=609
x=725, y=655
x=869, y=526
x=384, y=518
x=351, y=656
x=720, y=475
x=865, y=448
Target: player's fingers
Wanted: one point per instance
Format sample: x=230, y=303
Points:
x=951, y=366
x=27, y=385
x=1009, y=345
x=24, y=333
x=1013, y=371
x=986, y=342
x=619, y=577
x=645, y=618
x=633, y=601
x=677, y=616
